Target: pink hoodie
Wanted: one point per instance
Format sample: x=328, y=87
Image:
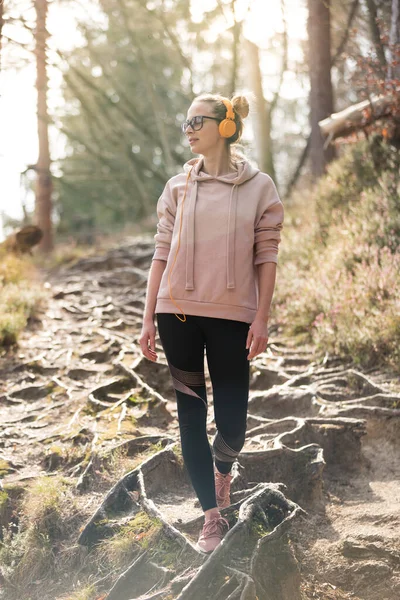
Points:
x=230, y=224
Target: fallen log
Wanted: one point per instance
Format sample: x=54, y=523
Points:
x=363, y=114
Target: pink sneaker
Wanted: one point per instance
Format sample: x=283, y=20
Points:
x=223, y=489
x=212, y=533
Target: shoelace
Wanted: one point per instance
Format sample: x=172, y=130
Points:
x=214, y=526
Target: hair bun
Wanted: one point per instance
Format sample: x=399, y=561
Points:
x=240, y=105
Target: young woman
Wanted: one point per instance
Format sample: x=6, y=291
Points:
x=215, y=261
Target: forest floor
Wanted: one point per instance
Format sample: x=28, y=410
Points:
x=320, y=468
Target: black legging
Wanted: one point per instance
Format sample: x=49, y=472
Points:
x=225, y=343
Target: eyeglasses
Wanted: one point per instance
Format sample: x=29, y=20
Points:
x=196, y=123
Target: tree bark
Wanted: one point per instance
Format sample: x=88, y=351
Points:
x=345, y=38
x=375, y=32
x=338, y=52
x=44, y=182
x=394, y=41
x=1, y=26
x=358, y=115
x=262, y=116
x=236, y=34
x=321, y=95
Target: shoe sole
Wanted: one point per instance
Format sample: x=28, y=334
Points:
x=205, y=551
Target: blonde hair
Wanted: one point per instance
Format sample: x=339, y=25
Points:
x=240, y=106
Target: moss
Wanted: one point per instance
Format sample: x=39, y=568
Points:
x=166, y=551
x=86, y=592
x=4, y=505
x=258, y=527
x=139, y=533
x=154, y=448
x=54, y=449
x=136, y=400
x=177, y=449
x=15, y=490
x=99, y=523
x=261, y=523
x=144, y=527
x=4, y=467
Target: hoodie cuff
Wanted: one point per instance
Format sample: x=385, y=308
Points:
x=264, y=258
x=161, y=253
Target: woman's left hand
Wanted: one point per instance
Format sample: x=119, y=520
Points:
x=257, y=337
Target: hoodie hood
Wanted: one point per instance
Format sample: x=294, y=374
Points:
x=244, y=172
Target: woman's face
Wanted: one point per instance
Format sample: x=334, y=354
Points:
x=206, y=138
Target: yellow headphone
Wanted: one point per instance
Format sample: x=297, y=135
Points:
x=227, y=128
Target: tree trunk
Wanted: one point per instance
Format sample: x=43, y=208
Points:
x=44, y=183
x=262, y=116
x=1, y=25
x=375, y=32
x=394, y=41
x=321, y=97
x=355, y=117
x=236, y=34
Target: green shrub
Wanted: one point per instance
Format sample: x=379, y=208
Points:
x=137, y=534
x=29, y=554
x=360, y=168
x=20, y=296
x=341, y=290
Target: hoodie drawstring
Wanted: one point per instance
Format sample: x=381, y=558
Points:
x=190, y=239
x=230, y=249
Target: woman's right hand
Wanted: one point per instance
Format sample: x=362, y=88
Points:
x=147, y=339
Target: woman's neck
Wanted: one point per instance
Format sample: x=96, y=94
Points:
x=217, y=164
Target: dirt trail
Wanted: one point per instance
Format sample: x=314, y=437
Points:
x=316, y=494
